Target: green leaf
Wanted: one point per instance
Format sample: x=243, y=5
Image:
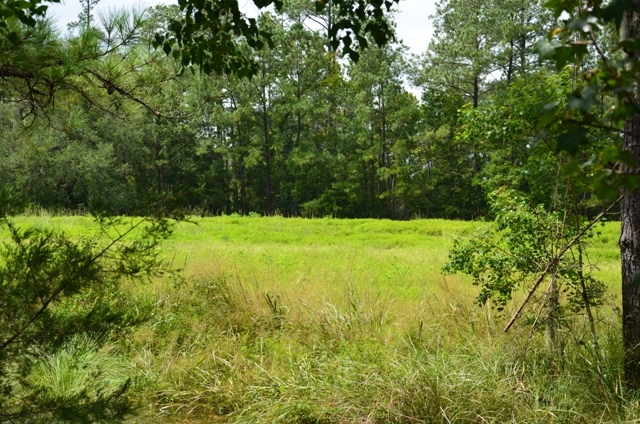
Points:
x=615, y=154
x=166, y=47
x=614, y=11
x=571, y=168
x=572, y=140
x=559, y=6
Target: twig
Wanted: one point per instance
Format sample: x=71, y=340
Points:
x=123, y=92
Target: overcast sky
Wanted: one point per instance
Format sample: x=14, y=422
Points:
x=413, y=24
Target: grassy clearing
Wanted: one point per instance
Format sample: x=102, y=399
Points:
x=350, y=321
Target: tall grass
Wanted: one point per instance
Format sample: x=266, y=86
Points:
x=279, y=320
x=247, y=360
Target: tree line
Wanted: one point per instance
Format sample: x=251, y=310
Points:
x=310, y=134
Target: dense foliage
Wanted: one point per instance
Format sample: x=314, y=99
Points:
x=308, y=135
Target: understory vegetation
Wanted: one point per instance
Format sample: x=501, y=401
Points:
x=329, y=321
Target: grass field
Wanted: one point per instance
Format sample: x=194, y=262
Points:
x=350, y=321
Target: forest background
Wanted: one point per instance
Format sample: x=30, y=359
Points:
x=310, y=135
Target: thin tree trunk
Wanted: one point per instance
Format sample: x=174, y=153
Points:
x=510, y=66
x=234, y=165
x=266, y=146
x=267, y=159
x=241, y=176
x=552, y=305
x=476, y=91
x=523, y=54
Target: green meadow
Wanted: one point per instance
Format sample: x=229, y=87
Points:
x=351, y=321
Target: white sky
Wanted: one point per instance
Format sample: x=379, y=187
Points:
x=413, y=23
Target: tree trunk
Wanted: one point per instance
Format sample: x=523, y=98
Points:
x=476, y=91
x=266, y=102
x=234, y=166
x=510, y=65
x=523, y=54
x=552, y=305
x=630, y=256
x=630, y=237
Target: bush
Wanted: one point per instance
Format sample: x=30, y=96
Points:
x=62, y=309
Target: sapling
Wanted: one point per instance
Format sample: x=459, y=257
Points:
x=525, y=246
